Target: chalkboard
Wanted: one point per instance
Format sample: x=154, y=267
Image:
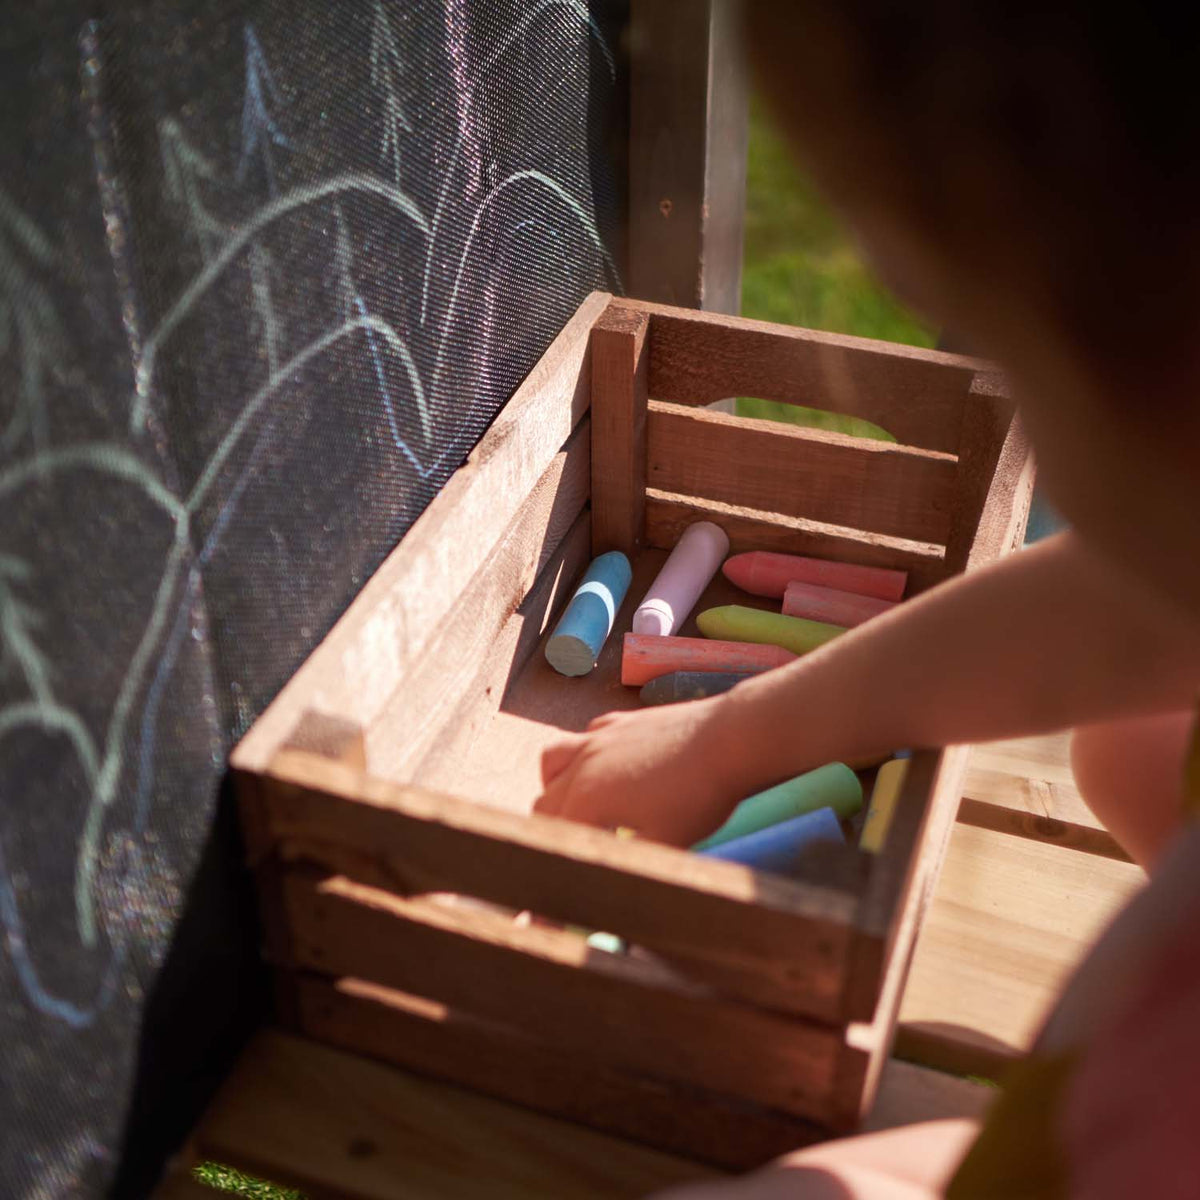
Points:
x=267, y=270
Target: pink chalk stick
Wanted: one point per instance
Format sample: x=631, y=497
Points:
x=647, y=656
x=684, y=576
x=765, y=573
x=816, y=603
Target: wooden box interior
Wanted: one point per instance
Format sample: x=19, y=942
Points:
x=393, y=775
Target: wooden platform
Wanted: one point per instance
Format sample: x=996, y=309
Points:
x=1028, y=882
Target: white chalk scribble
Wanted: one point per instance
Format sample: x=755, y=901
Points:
x=241, y=236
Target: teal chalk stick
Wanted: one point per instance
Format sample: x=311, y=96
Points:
x=833, y=786
x=575, y=644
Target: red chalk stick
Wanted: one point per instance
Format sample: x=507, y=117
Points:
x=816, y=603
x=764, y=573
x=647, y=656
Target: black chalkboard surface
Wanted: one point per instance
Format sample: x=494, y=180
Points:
x=267, y=270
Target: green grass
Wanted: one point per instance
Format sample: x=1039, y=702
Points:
x=800, y=267
x=237, y=1183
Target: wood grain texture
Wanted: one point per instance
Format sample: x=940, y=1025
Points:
x=430, y=696
x=917, y=395
x=870, y=485
x=1002, y=819
x=354, y=672
x=442, y=1043
x=994, y=488
x=633, y=1013
x=1025, y=786
x=892, y=910
x=620, y=358
x=494, y=758
x=669, y=513
x=904, y=867
x=781, y=942
x=1010, y=919
x=340, y=1127
x=909, y=1093
x=1030, y=774
x=330, y=737
x=461, y=759
x=687, y=151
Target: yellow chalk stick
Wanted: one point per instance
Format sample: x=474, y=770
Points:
x=888, y=783
x=736, y=623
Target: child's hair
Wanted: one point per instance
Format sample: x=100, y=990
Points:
x=1052, y=150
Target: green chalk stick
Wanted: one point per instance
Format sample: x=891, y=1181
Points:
x=834, y=786
x=736, y=623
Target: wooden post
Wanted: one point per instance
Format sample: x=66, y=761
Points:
x=620, y=357
x=687, y=153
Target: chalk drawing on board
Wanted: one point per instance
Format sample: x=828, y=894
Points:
x=30, y=329
x=232, y=248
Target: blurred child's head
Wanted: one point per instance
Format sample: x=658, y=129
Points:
x=1029, y=176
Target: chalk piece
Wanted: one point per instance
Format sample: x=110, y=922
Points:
x=691, y=685
x=834, y=786
x=816, y=603
x=765, y=573
x=781, y=847
x=646, y=657
x=884, y=795
x=608, y=942
x=735, y=623
x=574, y=646
x=685, y=574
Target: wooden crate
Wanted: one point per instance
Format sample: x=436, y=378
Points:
x=386, y=791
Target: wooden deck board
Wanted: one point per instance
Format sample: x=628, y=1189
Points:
x=1029, y=881
x=335, y=1124
x=1030, y=775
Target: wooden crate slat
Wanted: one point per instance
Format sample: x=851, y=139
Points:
x=1010, y=919
x=429, y=696
x=906, y=869
x=635, y=1013
x=432, y=1040
x=994, y=488
x=620, y=358
x=383, y=634
x=881, y=968
x=460, y=738
x=875, y=486
x=786, y=944
x=917, y=395
x=909, y=1093
x=343, y=1128
x=668, y=514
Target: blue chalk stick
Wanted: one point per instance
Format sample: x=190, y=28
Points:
x=574, y=646
x=780, y=847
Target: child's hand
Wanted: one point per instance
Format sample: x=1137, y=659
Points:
x=664, y=772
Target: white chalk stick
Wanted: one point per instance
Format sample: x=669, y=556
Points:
x=687, y=572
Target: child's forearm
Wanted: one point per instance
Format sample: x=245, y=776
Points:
x=1047, y=638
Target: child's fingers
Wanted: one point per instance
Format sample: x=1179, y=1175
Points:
x=559, y=755
x=550, y=802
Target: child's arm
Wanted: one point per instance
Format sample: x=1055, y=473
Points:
x=1049, y=637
